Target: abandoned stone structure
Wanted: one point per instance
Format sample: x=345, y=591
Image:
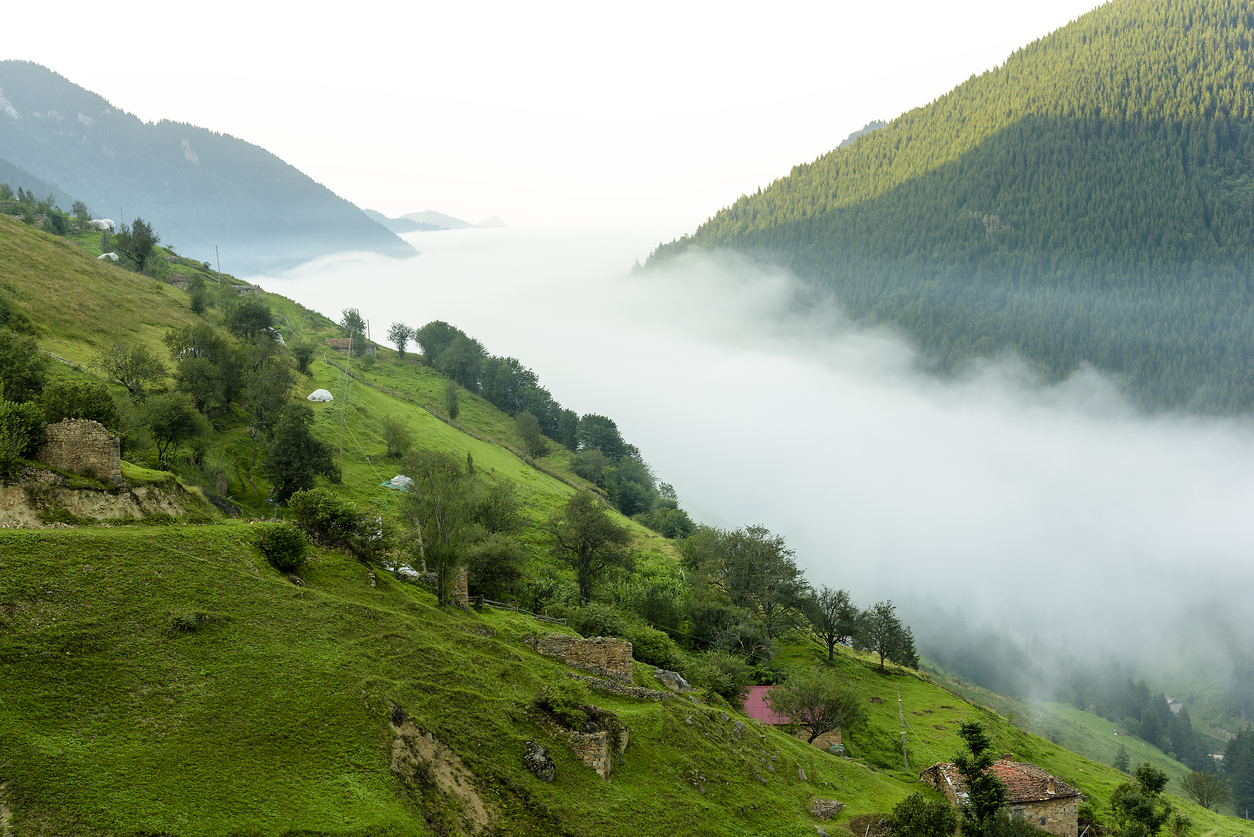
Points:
x=596, y=749
x=83, y=446
x=1046, y=801
x=461, y=593
x=602, y=656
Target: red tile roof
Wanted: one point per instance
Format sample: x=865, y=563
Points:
x=756, y=708
x=1024, y=782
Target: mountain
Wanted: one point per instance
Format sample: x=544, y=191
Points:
x=401, y=225
x=430, y=216
x=1090, y=201
x=491, y=222
x=198, y=188
x=17, y=177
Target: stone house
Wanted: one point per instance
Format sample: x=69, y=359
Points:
x=1046, y=801
x=83, y=447
x=757, y=708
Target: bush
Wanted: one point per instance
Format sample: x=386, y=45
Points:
x=598, y=620
x=330, y=521
x=723, y=673
x=284, y=546
x=21, y=434
x=78, y=400
x=654, y=647
x=919, y=816
x=567, y=701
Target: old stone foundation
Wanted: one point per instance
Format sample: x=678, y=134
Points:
x=603, y=656
x=82, y=446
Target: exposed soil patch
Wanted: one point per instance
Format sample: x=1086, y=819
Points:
x=420, y=759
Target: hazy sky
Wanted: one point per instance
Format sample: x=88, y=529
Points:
x=583, y=114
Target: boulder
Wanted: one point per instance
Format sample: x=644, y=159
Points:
x=673, y=680
x=536, y=759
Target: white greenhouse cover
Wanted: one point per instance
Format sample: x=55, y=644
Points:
x=320, y=395
x=401, y=481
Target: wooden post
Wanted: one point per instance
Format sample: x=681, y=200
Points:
x=902, y=712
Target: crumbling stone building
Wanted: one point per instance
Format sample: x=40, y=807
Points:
x=1046, y=801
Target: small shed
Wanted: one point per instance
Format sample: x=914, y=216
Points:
x=320, y=395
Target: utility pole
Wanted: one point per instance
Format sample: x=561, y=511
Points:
x=344, y=405
x=218, y=258
x=902, y=712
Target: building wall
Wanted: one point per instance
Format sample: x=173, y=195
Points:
x=824, y=741
x=602, y=656
x=82, y=446
x=1057, y=816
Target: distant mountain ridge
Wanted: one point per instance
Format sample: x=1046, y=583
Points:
x=448, y=222
x=197, y=187
x=1091, y=201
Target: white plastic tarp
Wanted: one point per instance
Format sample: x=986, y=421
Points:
x=320, y=395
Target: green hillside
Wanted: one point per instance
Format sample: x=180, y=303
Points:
x=1089, y=201
x=168, y=680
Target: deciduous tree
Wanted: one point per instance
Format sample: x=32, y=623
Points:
x=294, y=456
x=830, y=617
x=818, y=698
x=881, y=631
x=439, y=505
x=133, y=366
x=1206, y=789
x=585, y=537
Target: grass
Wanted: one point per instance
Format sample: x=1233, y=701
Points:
x=233, y=701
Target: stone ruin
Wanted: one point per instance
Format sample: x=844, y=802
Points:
x=82, y=446
x=603, y=656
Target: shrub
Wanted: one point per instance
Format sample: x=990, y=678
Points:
x=723, y=673
x=567, y=701
x=595, y=619
x=323, y=516
x=284, y=546
x=918, y=816
x=652, y=646
x=21, y=434
x=78, y=400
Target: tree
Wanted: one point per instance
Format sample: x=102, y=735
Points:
x=1206, y=789
x=1239, y=770
x=397, y=436
x=1121, y=759
x=267, y=381
x=294, y=457
x=585, y=537
x=533, y=442
x=23, y=367
x=462, y=361
x=302, y=353
x=80, y=210
x=439, y=505
x=450, y=401
x=754, y=570
x=1139, y=809
x=882, y=632
x=817, y=698
x=986, y=793
x=21, y=434
x=353, y=326
x=78, y=400
x=831, y=617
x=434, y=338
x=133, y=366
x=918, y=816
x=601, y=432
x=250, y=317
x=197, y=296
x=400, y=335
x=173, y=419
x=136, y=242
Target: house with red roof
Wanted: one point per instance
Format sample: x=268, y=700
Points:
x=757, y=708
x=1045, y=800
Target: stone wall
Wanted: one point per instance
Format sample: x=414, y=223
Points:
x=602, y=656
x=82, y=447
x=825, y=741
x=1057, y=816
x=594, y=749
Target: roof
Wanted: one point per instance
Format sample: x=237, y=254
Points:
x=1024, y=782
x=756, y=708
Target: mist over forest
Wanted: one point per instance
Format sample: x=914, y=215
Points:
x=991, y=506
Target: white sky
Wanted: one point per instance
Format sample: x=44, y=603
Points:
x=555, y=114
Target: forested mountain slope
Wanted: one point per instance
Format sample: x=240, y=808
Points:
x=199, y=187
x=1091, y=200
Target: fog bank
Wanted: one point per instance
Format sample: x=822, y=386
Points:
x=1050, y=511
